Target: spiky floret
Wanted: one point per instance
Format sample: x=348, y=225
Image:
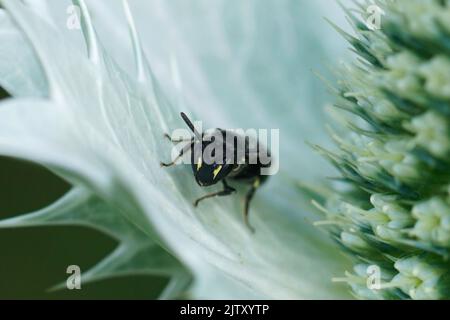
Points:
x=394, y=151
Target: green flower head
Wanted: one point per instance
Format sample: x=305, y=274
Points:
x=394, y=146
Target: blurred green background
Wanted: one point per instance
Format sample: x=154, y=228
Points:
x=34, y=259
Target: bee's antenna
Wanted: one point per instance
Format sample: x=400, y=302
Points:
x=191, y=126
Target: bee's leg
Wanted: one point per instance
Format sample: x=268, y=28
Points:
x=177, y=140
x=227, y=190
x=186, y=148
x=248, y=198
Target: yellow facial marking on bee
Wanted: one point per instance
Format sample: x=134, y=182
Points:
x=216, y=172
x=199, y=163
x=256, y=183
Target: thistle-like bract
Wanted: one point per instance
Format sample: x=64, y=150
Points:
x=394, y=147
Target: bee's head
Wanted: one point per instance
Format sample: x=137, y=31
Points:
x=206, y=170
x=209, y=174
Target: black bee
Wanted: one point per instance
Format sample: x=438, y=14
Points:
x=235, y=165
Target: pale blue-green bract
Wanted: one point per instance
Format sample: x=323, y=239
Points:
x=92, y=105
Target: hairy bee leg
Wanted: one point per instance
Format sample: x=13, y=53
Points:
x=182, y=152
x=227, y=190
x=248, y=198
x=177, y=140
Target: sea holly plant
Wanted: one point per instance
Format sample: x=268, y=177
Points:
x=92, y=104
x=392, y=110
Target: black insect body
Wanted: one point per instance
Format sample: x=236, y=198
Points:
x=241, y=161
